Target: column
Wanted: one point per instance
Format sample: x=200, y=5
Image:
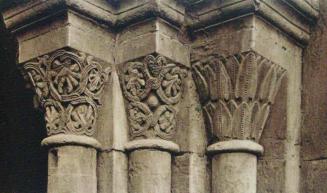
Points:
x=68, y=85
x=153, y=65
x=247, y=60
x=152, y=88
x=238, y=93
x=66, y=59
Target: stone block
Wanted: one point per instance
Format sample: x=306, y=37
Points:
x=271, y=176
x=112, y=172
x=190, y=174
x=314, y=176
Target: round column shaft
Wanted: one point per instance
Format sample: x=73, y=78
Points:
x=71, y=164
x=150, y=165
x=234, y=166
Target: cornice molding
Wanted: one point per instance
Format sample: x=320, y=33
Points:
x=302, y=6
x=110, y=14
x=292, y=16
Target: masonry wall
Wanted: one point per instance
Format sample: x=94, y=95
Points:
x=314, y=132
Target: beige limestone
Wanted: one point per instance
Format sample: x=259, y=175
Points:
x=149, y=171
x=237, y=160
x=239, y=173
x=151, y=36
x=112, y=171
x=167, y=38
x=253, y=33
x=190, y=173
x=72, y=169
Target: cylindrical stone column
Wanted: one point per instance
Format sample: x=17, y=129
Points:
x=68, y=86
x=153, y=87
x=150, y=165
x=71, y=164
x=234, y=166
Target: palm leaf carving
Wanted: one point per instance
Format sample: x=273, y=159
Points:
x=201, y=82
x=237, y=93
x=225, y=84
x=246, y=83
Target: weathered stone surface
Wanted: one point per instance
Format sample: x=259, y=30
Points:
x=314, y=133
x=72, y=169
x=112, y=172
x=191, y=133
x=190, y=174
x=149, y=171
x=271, y=176
x=148, y=37
x=239, y=173
x=314, y=176
x=283, y=126
x=314, y=145
x=112, y=125
x=244, y=54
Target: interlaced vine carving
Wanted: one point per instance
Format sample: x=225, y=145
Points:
x=152, y=88
x=68, y=85
x=237, y=93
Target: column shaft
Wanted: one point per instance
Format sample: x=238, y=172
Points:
x=72, y=169
x=234, y=173
x=149, y=171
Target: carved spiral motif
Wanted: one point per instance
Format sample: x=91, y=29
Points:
x=165, y=122
x=68, y=85
x=152, y=88
x=81, y=119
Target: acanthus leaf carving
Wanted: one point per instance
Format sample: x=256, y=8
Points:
x=68, y=85
x=152, y=88
x=236, y=93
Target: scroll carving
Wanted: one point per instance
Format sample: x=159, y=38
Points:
x=68, y=85
x=237, y=93
x=152, y=88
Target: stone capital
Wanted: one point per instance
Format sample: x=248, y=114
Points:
x=68, y=86
x=152, y=87
x=236, y=93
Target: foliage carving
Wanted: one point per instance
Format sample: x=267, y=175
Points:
x=152, y=88
x=237, y=93
x=68, y=85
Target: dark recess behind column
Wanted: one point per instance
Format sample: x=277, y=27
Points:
x=23, y=162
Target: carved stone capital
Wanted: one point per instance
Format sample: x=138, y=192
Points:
x=68, y=85
x=236, y=94
x=152, y=87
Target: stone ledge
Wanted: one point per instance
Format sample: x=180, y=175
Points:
x=152, y=144
x=294, y=17
x=22, y=15
x=68, y=139
x=231, y=146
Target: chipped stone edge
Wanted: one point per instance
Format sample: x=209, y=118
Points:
x=68, y=139
x=233, y=146
x=158, y=144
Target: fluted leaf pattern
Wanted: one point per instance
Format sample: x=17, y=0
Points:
x=246, y=83
x=239, y=91
x=201, y=82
